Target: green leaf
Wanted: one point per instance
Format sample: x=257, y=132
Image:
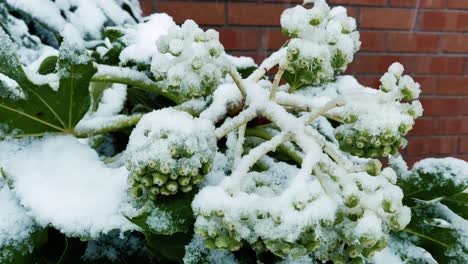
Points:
x=437, y=230
x=458, y=204
x=97, y=89
x=25, y=251
x=434, y=178
x=48, y=65
x=44, y=109
x=403, y=247
x=167, y=216
x=169, y=247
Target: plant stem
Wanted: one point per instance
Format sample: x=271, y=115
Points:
x=238, y=80
x=277, y=79
x=242, y=118
x=263, y=134
x=239, y=145
x=84, y=131
x=267, y=64
x=131, y=78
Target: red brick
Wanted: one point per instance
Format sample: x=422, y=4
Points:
x=240, y=39
x=255, y=14
x=445, y=106
x=436, y=65
x=359, y=2
x=451, y=125
x=387, y=18
x=377, y=63
x=423, y=126
x=374, y=63
x=464, y=144
x=413, y=42
x=273, y=39
x=202, y=13
x=428, y=84
x=460, y=4
x=432, y=145
x=444, y=20
x=454, y=85
x=455, y=43
x=338, y=2
x=373, y=41
x=463, y=157
x=146, y=7
x=368, y=81
x=418, y=3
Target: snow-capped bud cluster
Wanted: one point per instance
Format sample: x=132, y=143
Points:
x=169, y=152
x=191, y=62
x=393, y=82
x=332, y=214
x=364, y=132
x=324, y=43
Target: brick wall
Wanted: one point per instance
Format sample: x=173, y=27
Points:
x=430, y=37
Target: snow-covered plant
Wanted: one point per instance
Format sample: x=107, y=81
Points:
x=134, y=140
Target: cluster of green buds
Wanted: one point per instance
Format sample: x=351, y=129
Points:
x=294, y=216
x=190, y=62
x=169, y=152
x=324, y=43
x=363, y=132
x=362, y=143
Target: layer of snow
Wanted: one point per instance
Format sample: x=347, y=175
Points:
x=64, y=184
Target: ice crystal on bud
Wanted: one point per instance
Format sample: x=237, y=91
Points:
x=169, y=152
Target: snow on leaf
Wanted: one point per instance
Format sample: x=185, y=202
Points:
x=46, y=110
x=64, y=184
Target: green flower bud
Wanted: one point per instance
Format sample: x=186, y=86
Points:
x=206, y=167
x=374, y=167
x=339, y=136
x=404, y=128
x=368, y=253
x=244, y=216
x=367, y=241
x=210, y=243
x=183, y=181
x=197, y=179
x=299, y=205
x=154, y=190
x=164, y=191
x=381, y=244
x=147, y=181
x=165, y=168
x=388, y=207
x=221, y=242
x=353, y=251
x=172, y=186
x=174, y=176
x=160, y=179
x=360, y=144
x=137, y=191
x=153, y=164
x=357, y=260
x=201, y=232
x=219, y=213
x=339, y=259
x=314, y=22
x=186, y=188
x=351, y=201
